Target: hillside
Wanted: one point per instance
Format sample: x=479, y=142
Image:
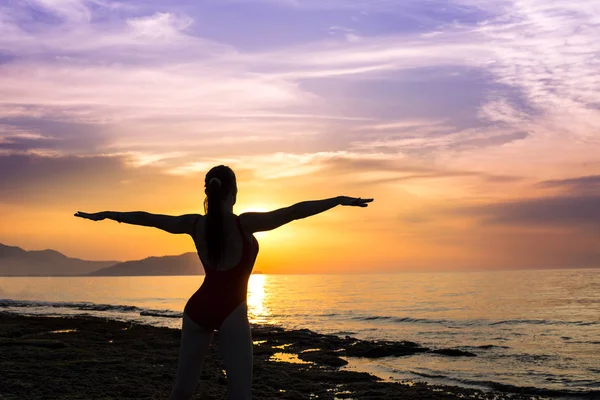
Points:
x=184, y=264
x=15, y=261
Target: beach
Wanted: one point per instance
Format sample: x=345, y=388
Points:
x=542, y=341
x=95, y=358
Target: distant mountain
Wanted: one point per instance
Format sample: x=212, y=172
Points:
x=15, y=261
x=184, y=264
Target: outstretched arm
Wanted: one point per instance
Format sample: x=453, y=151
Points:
x=259, y=222
x=169, y=223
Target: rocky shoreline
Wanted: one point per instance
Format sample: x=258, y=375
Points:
x=93, y=358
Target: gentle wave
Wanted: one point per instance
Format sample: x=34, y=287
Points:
x=487, y=347
x=542, y=322
x=503, y=387
x=74, y=305
x=472, y=322
x=402, y=320
x=344, y=333
x=595, y=370
x=161, y=313
x=87, y=306
x=586, y=341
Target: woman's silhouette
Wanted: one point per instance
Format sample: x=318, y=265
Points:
x=227, y=248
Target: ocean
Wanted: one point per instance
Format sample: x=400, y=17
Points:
x=538, y=329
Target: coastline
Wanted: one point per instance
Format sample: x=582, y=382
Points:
x=95, y=358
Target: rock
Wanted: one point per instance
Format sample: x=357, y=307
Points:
x=324, y=358
x=378, y=349
x=49, y=344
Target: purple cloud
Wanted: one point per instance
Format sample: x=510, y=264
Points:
x=582, y=184
x=555, y=211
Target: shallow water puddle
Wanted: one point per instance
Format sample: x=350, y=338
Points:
x=63, y=331
x=310, y=350
x=287, y=357
x=282, y=346
x=340, y=391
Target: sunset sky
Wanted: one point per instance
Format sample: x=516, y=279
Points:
x=474, y=124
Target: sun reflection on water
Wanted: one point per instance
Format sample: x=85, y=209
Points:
x=258, y=312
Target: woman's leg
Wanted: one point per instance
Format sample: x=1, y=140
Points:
x=235, y=345
x=195, y=342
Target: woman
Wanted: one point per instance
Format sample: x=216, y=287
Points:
x=227, y=248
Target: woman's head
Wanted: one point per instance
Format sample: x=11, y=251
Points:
x=220, y=185
x=221, y=190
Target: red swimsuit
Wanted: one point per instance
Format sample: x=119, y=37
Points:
x=222, y=291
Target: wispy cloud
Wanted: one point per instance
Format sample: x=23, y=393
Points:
x=159, y=25
x=577, y=186
x=69, y=10
x=548, y=50
x=562, y=212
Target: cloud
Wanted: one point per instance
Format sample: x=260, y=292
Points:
x=371, y=54
x=279, y=165
x=69, y=10
x=406, y=125
x=52, y=182
x=421, y=144
x=23, y=142
x=321, y=5
x=554, y=211
x=546, y=50
x=20, y=133
x=382, y=168
x=159, y=25
x=35, y=178
x=112, y=36
x=577, y=185
x=340, y=166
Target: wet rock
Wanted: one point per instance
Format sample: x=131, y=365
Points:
x=378, y=349
x=324, y=358
x=49, y=344
x=141, y=362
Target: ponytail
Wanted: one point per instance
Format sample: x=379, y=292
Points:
x=214, y=221
x=219, y=182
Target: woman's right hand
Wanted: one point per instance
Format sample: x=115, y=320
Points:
x=93, y=216
x=353, y=201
